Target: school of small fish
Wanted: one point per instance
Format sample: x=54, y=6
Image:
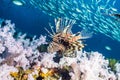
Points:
x=94, y=15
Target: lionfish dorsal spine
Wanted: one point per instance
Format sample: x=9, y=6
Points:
x=51, y=27
x=68, y=26
x=57, y=24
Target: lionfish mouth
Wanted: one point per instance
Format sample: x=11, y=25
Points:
x=64, y=41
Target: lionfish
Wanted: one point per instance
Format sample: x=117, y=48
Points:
x=63, y=40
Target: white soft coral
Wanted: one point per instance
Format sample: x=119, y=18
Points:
x=5, y=72
x=47, y=61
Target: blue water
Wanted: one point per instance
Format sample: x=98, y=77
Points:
x=32, y=21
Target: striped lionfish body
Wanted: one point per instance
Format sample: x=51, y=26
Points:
x=63, y=40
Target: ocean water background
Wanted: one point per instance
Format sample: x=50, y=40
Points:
x=32, y=21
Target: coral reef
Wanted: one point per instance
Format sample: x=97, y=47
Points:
x=20, y=59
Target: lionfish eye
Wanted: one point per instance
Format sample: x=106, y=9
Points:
x=61, y=40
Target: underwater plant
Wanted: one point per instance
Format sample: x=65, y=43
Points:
x=93, y=15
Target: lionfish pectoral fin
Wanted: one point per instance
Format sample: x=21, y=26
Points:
x=85, y=34
x=51, y=35
x=77, y=34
